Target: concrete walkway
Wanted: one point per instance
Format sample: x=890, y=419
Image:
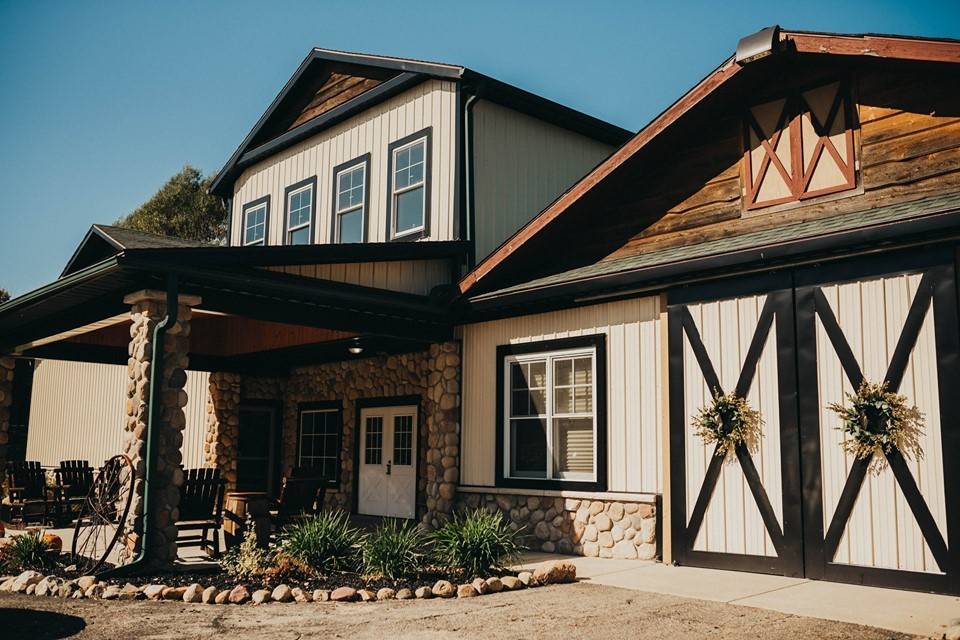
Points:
x=911, y=612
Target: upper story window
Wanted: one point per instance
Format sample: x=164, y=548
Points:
x=799, y=147
x=301, y=205
x=553, y=425
x=256, y=216
x=409, y=197
x=350, y=201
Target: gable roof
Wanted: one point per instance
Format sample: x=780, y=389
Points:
x=763, y=44
x=276, y=129
x=103, y=241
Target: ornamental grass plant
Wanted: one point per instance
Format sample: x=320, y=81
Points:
x=476, y=542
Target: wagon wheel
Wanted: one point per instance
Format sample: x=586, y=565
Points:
x=103, y=515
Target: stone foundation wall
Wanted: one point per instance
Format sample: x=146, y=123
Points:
x=147, y=309
x=6, y=399
x=434, y=375
x=597, y=528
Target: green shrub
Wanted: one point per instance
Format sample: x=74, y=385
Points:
x=323, y=543
x=476, y=542
x=27, y=552
x=394, y=549
x=247, y=560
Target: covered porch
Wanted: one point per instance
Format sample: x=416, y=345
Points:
x=300, y=356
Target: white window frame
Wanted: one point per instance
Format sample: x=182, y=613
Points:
x=395, y=193
x=337, y=212
x=312, y=207
x=336, y=454
x=246, y=214
x=550, y=415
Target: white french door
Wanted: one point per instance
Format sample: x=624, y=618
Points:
x=388, y=462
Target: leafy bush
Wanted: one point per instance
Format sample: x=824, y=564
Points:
x=27, y=552
x=394, y=549
x=247, y=560
x=476, y=542
x=323, y=543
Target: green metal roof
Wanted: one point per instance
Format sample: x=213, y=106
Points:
x=776, y=236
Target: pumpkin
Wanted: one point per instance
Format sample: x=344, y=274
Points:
x=53, y=541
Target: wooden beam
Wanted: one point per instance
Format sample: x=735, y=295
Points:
x=916, y=49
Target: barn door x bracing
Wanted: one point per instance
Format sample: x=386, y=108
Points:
x=800, y=504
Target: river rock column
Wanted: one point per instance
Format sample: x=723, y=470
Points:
x=223, y=425
x=443, y=422
x=147, y=309
x=6, y=399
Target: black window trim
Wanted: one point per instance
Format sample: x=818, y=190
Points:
x=253, y=204
x=334, y=218
x=599, y=343
x=328, y=406
x=427, y=134
x=296, y=186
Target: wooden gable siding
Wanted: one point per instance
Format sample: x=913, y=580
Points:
x=338, y=88
x=908, y=146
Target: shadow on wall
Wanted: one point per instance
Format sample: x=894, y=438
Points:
x=31, y=624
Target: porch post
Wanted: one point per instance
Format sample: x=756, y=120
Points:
x=223, y=425
x=6, y=399
x=443, y=443
x=147, y=309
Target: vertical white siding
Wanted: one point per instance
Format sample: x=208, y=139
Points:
x=521, y=164
x=77, y=412
x=732, y=523
x=881, y=531
x=634, y=404
x=431, y=104
x=408, y=276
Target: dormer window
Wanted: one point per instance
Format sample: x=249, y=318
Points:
x=350, y=201
x=255, y=218
x=799, y=147
x=409, y=171
x=301, y=204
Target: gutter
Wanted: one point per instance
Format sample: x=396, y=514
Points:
x=141, y=562
x=468, y=176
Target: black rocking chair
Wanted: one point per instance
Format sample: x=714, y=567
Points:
x=300, y=496
x=201, y=510
x=30, y=499
x=74, y=479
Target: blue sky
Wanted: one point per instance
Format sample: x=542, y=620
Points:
x=101, y=102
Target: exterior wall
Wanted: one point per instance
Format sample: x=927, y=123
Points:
x=434, y=375
x=408, y=276
x=431, y=104
x=634, y=402
x=77, y=413
x=521, y=164
x=615, y=528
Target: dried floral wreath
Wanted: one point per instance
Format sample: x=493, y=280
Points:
x=730, y=422
x=876, y=421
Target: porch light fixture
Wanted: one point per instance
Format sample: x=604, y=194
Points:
x=355, y=348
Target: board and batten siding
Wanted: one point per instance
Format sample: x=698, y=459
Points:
x=634, y=403
x=430, y=104
x=521, y=164
x=408, y=276
x=78, y=411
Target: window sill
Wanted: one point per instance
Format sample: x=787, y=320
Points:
x=557, y=485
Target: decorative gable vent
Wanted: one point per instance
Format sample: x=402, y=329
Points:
x=799, y=147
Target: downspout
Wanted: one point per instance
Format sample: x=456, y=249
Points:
x=153, y=411
x=468, y=173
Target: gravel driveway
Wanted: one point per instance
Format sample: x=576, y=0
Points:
x=570, y=611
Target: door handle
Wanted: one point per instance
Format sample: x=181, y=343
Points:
x=389, y=466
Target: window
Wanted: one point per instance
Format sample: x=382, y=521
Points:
x=799, y=147
x=350, y=201
x=552, y=428
x=300, y=203
x=409, y=196
x=319, y=439
x=255, y=219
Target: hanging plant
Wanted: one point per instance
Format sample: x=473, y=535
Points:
x=876, y=421
x=729, y=422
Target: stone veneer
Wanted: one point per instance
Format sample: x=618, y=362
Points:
x=434, y=375
x=223, y=425
x=147, y=310
x=6, y=398
x=598, y=528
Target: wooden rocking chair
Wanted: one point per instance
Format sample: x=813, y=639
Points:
x=74, y=479
x=300, y=496
x=201, y=510
x=29, y=497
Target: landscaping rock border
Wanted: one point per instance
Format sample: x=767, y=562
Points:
x=36, y=584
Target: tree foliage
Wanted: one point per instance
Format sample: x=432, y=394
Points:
x=182, y=208
x=4, y=295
